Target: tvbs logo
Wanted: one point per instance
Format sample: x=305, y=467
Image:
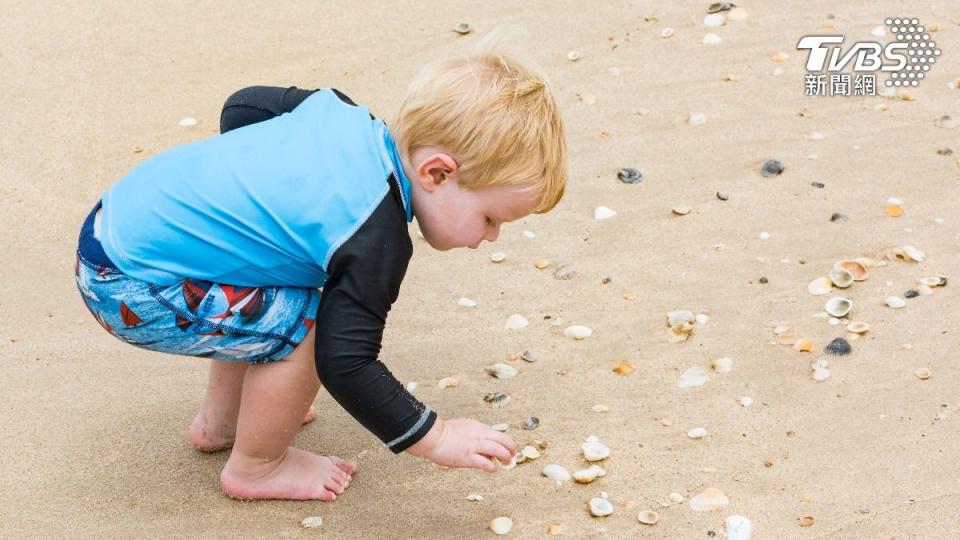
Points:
x=907, y=58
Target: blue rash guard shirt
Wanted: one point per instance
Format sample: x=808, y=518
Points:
x=303, y=189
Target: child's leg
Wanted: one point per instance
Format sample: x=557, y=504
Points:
x=215, y=426
x=276, y=396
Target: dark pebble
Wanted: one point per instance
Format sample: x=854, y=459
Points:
x=723, y=195
x=818, y=185
x=838, y=347
x=764, y=280
x=606, y=280
x=837, y=217
x=911, y=294
x=717, y=7
x=630, y=176
x=773, y=167
x=531, y=423
x=945, y=151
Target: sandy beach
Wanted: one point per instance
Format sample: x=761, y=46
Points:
x=93, y=431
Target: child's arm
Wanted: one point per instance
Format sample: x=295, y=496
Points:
x=258, y=103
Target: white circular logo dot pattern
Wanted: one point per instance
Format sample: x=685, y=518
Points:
x=922, y=52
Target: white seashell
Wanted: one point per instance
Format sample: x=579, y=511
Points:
x=475, y=497
x=702, y=318
x=500, y=427
x=819, y=363
x=529, y=234
x=501, y=525
x=600, y=507
x=914, y=253
x=447, y=382
x=312, y=522
x=530, y=452
x=821, y=374
x=711, y=39
x=878, y=31
x=896, y=302
x=933, y=281
x=745, y=401
x=819, y=287
x=516, y=322
x=922, y=373
x=501, y=371
x=697, y=119
x=692, y=377
x=602, y=212
x=838, y=306
x=764, y=235
x=595, y=451
x=833, y=321
x=714, y=20
x=666, y=33
x=589, y=474
x=599, y=408
x=676, y=497
x=508, y=465
x=697, y=433
x=577, y=332
x=573, y=56
x=187, y=121
x=466, y=302
x=648, y=517
x=722, y=365
x=738, y=527
x=411, y=386
x=895, y=200
x=556, y=472
x=498, y=257
x=858, y=327
x=677, y=318
x=815, y=136
x=709, y=499
x=737, y=14
x=841, y=277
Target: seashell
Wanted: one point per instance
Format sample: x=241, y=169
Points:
x=556, y=472
x=708, y=500
x=530, y=452
x=878, y=31
x=821, y=374
x=833, y=321
x=623, y=368
x=595, y=451
x=803, y=345
x=867, y=262
x=697, y=433
x=772, y=167
x=529, y=234
x=648, y=517
x=532, y=422
x=508, y=465
x=697, y=119
x=591, y=473
x=893, y=210
x=764, y=235
x=411, y=386
x=745, y=401
x=779, y=57
x=600, y=507
x=722, y=365
x=723, y=196
x=312, y=522
x=498, y=257
x=946, y=121
x=730, y=77
x=896, y=302
x=565, y=271
x=600, y=408
x=702, y=318
x=466, y=302
x=629, y=176
x=856, y=269
x=475, y=498
x=497, y=399
x=676, y=497
x=922, y=373
x=602, y=212
x=528, y=356
x=914, y=253
x=501, y=371
x=711, y=39
x=714, y=20
x=500, y=427
x=838, y=347
x=805, y=521
x=666, y=33
x=934, y=281
x=819, y=287
x=815, y=136
x=680, y=317
x=501, y=525
x=516, y=322
x=858, y=327
x=573, y=56
x=447, y=382
x=841, y=277
x=553, y=529
x=692, y=377
x=540, y=264
x=577, y=332
x=737, y=528
x=717, y=7
x=785, y=335
x=895, y=254
x=462, y=28
x=838, y=306
x=681, y=210
x=188, y=121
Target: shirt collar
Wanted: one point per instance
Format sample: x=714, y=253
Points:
x=393, y=162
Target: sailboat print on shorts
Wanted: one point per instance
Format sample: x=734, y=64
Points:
x=214, y=304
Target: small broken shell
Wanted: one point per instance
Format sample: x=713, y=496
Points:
x=819, y=287
x=595, y=451
x=497, y=399
x=858, y=327
x=462, y=28
x=934, y=281
x=591, y=473
x=841, y=277
x=573, y=56
x=623, y=368
x=666, y=32
x=556, y=472
x=693, y=377
x=722, y=365
x=708, y=500
x=447, y=382
x=838, y=306
x=501, y=525
x=565, y=271
x=896, y=302
x=500, y=427
x=602, y=212
x=681, y=210
x=737, y=527
x=680, y=317
x=922, y=373
x=803, y=345
x=914, y=253
x=895, y=254
x=312, y=522
x=530, y=452
x=474, y=498
x=466, y=302
x=577, y=332
x=856, y=269
x=531, y=423
x=697, y=433
x=516, y=322
x=648, y=517
x=540, y=264
x=821, y=374
x=502, y=371
x=600, y=507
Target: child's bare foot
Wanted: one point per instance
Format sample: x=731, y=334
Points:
x=212, y=435
x=296, y=475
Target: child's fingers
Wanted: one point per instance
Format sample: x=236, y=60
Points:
x=477, y=461
x=495, y=449
x=504, y=440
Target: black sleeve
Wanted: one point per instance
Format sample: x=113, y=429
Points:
x=365, y=276
x=258, y=103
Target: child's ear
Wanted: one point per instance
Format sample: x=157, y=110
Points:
x=434, y=169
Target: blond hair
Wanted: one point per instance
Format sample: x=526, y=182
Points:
x=497, y=119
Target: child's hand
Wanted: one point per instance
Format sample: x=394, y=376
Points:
x=464, y=443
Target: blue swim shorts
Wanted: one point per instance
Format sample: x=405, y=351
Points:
x=193, y=317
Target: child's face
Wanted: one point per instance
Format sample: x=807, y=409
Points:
x=450, y=216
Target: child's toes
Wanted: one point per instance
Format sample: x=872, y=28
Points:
x=344, y=466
